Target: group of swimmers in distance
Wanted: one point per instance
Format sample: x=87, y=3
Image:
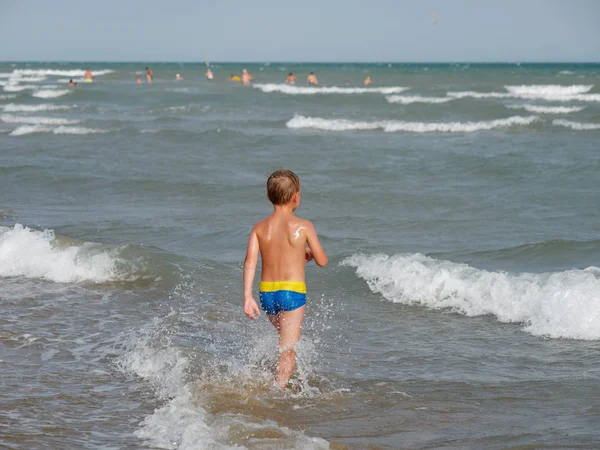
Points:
x=245, y=78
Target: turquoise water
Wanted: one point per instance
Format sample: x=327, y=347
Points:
x=458, y=205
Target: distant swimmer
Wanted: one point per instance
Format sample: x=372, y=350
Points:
x=88, y=76
x=209, y=74
x=234, y=78
x=71, y=83
x=149, y=75
x=138, y=80
x=312, y=79
x=291, y=78
x=246, y=77
x=178, y=77
x=368, y=81
x=346, y=83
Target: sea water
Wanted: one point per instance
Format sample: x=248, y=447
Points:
x=458, y=204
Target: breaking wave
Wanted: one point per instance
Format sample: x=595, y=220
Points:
x=576, y=125
x=307, y=90
x=50, y=93
x=317, y=123
x=408, y=99
x=548, y=109
x=557, y=304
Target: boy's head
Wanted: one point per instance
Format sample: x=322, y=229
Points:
x=281, y=186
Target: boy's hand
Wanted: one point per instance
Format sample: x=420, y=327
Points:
x=251, y=308
x=308, y=254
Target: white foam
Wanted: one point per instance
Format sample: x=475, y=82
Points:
x=547, y=90
x=576, y=125
x=299, y=122
x=566, y=72
x=548, y=109
x=183, y=422
x=408, y=99
x=8, y=96
x=58, y=73
x=36, y=254
x=50, y=93
x=12, y=107
x=30, y=129
x=558, y=305
x=35, y=120
x=473, y=94
x=15, y=87
x=308, y=90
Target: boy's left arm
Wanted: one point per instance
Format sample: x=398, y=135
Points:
x=250, y=307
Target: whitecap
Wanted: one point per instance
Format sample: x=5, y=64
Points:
x=312, y=90
x=408, y=99
x=12, y=107
x=576, y=125
x=50, y=93
x=558, y=304
x=35, y=120
x=299, y=122
x=548, y=109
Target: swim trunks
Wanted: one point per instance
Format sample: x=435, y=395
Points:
x=277, y=296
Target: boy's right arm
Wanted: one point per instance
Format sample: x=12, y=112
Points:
x=250, y=307
x=315, y=246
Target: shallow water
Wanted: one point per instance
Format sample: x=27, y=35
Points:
x=458, y=205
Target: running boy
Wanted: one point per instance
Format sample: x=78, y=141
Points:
x=285, y=243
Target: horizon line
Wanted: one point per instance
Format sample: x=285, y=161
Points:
x=47, y=61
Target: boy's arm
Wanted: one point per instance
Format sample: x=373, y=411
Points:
x=315, y=246
x=250, y=307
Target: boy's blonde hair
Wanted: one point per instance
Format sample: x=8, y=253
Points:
x=281, y=186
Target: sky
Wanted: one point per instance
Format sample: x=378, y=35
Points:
x=301, y=30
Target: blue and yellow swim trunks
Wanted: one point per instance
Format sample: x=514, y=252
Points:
x=277, y=296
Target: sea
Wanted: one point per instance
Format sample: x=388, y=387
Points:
x=459, y=205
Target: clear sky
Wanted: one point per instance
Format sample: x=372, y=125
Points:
x=300, y=30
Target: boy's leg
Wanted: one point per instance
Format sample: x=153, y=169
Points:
x=290, y=324
x=275, y=321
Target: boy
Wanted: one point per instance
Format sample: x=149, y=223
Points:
x=285, y=243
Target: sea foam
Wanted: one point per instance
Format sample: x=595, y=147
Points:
x=57, y=73
x=558, y=304
x=50, y=93
x=312, y=90
x=576, y=125
x=12, y=107
x=31, y=129
x=537, y=109
x=550, y=92
x=408, y=99
x=35, y=120
x=37, y=254
x=317, y=123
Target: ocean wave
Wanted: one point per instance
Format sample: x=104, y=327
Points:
x=39, y=254
x=408, y=99
x=576, y=125
x=35, y=120
x=317, y=123
x=473, y=94
x=308, y=90
x=548, y=109
x=31, y=129
x=566, y=72
x=548, y=90
x=551, y=92
x=58, y=73
x=12, y=107
x=50, y=93
x=13, y=87
x=557, y=304
x=8, y=96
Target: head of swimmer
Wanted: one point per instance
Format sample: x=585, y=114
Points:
x=283, y=189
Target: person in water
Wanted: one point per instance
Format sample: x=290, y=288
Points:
x=234, y=78
x=178, y=77
x=138, y=80
x=368, y=80
x=71, y=83
x=149, y=75
x=312, y=79
x=209, y=74
x=246, y=77
x=88, y=77
x=285, y=243
x=291, y=78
